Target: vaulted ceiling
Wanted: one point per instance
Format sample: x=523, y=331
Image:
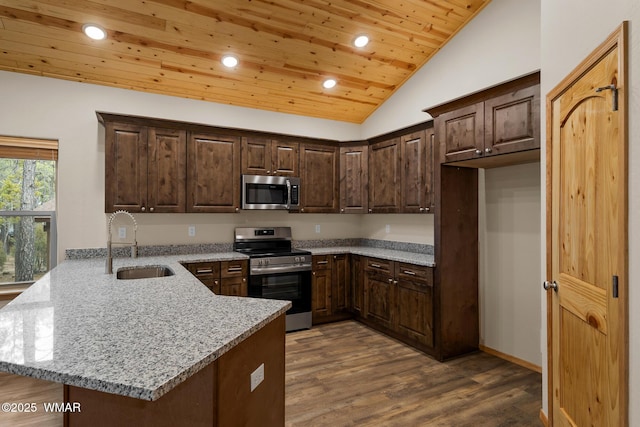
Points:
x=285, y=48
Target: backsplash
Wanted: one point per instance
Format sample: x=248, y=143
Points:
x=159, y=250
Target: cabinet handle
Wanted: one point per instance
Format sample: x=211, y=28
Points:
x=479, y=152
x=150, y=209
x=237, y=209
x=370, y=210
x=301, y=209
x=487, y=150
x=233, y=269
x=204, y=271
x=143, y=209
x=411, y=273
x=376, y=265
x=268, y=172
x=421, y=209
x=244, y=279
x=427, y=209
x=215, y=281
x=342, y=210
x=390, y=280
x=395, y=282
x=314, y=273
x=322, y=262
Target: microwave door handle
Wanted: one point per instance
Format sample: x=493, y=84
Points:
x=288, y=194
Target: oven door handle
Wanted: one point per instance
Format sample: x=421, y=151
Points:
x=261, y=271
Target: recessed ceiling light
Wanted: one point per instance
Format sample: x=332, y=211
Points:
x=94, y=31
x=229, y=61
x=329, y=83
x=361, y=41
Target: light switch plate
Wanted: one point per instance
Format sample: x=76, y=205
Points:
x=317, y=228
x=257, y=377
x=387, y=228
x=192, y=231
x=122, y=232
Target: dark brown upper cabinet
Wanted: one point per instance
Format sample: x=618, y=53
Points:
x=495, y=127
x=354, y=179
x=319, y=178
x=416, y=151
x=145, y=168
x=385, y=176
x=213, y=182
x=266, y=156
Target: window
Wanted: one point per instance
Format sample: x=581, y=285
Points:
x=27, y=209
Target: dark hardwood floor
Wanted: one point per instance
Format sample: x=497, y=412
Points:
x=345, y=374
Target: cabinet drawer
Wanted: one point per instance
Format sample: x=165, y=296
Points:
x=321, y=262
x=204, y=269
x=233, y=269
x=415, y=273
x=381, y=265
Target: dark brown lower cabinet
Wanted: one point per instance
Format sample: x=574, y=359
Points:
x=398, y=299
x=222, y=278
x=330, y=288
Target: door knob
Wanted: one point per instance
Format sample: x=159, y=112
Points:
x=550, y=285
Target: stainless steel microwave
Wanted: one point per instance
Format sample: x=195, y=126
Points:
x=270, y=192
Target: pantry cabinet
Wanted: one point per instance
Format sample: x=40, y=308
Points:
x=268, y=156
x=145, y=168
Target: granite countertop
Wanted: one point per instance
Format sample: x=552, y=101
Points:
x=424, y=259
x=138, y=338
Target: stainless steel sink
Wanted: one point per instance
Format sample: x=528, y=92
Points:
x=143, y=272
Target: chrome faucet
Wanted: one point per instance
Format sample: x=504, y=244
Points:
x=134, y=245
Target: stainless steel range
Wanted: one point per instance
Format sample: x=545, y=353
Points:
x=277, y=271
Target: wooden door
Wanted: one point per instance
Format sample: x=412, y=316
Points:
x=512, y=122
x=167, y=170
x=461, y=133
x=415, y=303
x=125, y=167
x=587, y=246
x=320, y=179
x=284, y=158
x=320, y=294
x=213, y=173
x=385, y=177
x=417, y=171
x=256, y=156
x=354, y=179
x=379, y=298
x=340, y=290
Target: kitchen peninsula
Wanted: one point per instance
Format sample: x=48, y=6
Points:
x=158, y=351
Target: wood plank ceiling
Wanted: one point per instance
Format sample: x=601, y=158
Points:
x=286, y=48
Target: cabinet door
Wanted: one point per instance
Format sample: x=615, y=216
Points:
x=125, y=167
x=512, y=122
x=167, y=170
x=284, y=158
x=415, y=303
x=357, y=285
x=379, y=299
x=417, y=171
x=460, y=133
x=234, y=286
x=213, y=179
x=385, y=177
x=319, y=179
x=340, y=290
x=320, y=294
x=354, y=179
x=256, y=156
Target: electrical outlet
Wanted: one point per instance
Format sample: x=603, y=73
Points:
x=257, y=377
x=387, y=229
x=122, y=232
x=317, y=228
x=192, y=231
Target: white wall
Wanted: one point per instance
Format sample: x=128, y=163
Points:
x=509, y=235
x=500, y=44
x=571, y=30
